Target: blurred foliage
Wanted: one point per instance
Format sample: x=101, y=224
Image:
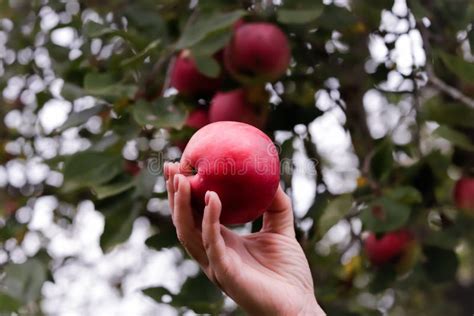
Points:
x=117, y=62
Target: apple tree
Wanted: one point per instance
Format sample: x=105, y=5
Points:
x=371, y=104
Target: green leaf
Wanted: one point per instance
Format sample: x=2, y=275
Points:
x=336, y=18
x=104, y=85
x=105, y=142
x=140, y=56
x=212, y=43
x=120, y=215
x=115, y=188
x=164, y=239
x=417, y=9
x=382, y=161
x=459, y=66
x=146, y=180
x=385, y=214
x=405, y=195
x=445, y=113
x=334, y=212
x=440, y=264
x=24, y=281
x=383, y=278
x=205, y=25
x=157, y=293
x=71, y=91
x=207, y=65
x=200, y=295
x=94, y=29
x=78, y=118
x=160, y=113
x=457, y=138
x=446, y=239
x=91, y=168
x=298, y=16
x=8, y=304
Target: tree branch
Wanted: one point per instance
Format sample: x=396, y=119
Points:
x=449, y=90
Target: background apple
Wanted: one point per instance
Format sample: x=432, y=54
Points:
x=235, y=106
x=388, y=247
x=464, y=194
x=257, y=52
x=237, y=161
x=186, y=78
x=196, y=119
x=132, y=168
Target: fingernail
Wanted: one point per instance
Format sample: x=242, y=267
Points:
x=207, y=197
x=176, y=182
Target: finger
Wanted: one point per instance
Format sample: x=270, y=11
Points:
x=214, y=243
x=171, y=169
x=188, y=234
x=279, y=216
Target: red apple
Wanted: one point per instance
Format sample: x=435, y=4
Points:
x=388, y=247
x=186, y=78
x=235, y=106
x=257, y=52
x=464, y=194
x=132, y=168
x=237, y=161
x=197, y=119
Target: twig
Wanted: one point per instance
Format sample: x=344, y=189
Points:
x=449, y=90
x=434, y=80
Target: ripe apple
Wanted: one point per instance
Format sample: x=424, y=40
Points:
x=195, y=120
x=257, y=52
x=238, y=162
x=132, y=168
x=464, y=194
x=186, y=78
x=235, y=106
x=387, y=248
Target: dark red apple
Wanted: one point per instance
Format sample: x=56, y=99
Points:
x=464, y=194
x=388, y=247
x=195, y=120
x=132, y=168
x=186, y=78
x=235, y=106
x=257, y=52
x=237, y=161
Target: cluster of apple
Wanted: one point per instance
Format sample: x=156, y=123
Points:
x=258, y=52
x=392, y=246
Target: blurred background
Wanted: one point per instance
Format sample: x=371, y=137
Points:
x=379, y=93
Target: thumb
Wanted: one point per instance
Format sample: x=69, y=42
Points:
x=279, y=216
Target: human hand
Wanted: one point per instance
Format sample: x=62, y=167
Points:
x=266, y=273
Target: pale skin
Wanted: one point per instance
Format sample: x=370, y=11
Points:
x=266, y=273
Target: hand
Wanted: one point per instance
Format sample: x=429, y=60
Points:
x=266, y=273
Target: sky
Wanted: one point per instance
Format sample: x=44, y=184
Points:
x=85, y=286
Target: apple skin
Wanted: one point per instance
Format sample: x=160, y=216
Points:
x=258, y=52
x=238, y=162
x=234, y=106
x=387, y=248
x=186, y=78
x=464, y=194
